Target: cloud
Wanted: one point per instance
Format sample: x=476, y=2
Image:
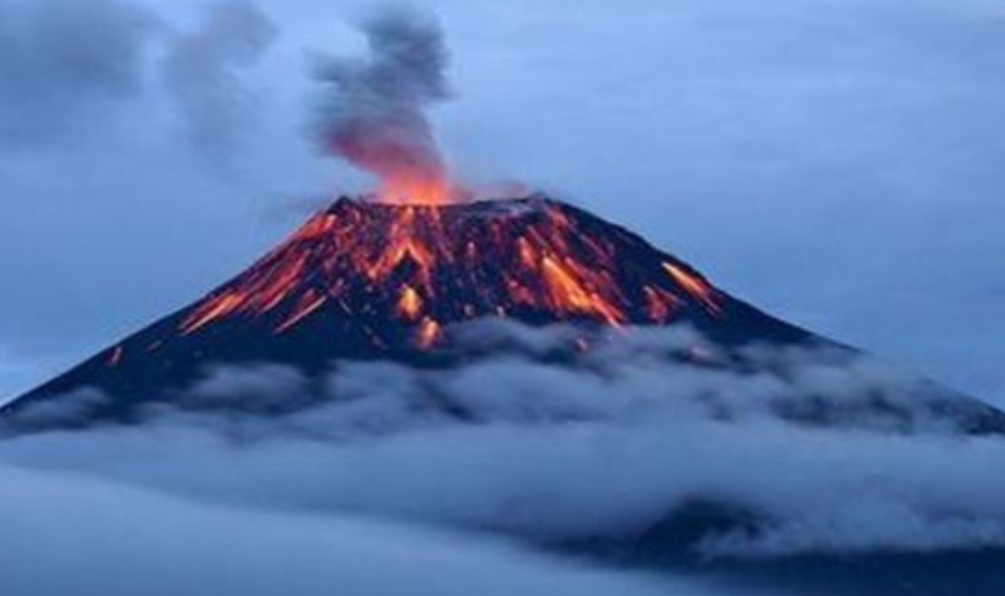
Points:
x=607, y=450
x=208, y=73
x=77, y=535
x=64, y=62
x=76, y=407
x=258, y=387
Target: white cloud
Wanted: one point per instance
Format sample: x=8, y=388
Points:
x=605, y=450
x=67, y=535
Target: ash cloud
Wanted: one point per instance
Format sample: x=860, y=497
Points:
x=374, y=110
x=206, y=73
x=64, y=62
x=512, y=444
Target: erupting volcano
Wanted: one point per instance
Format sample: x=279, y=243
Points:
x=424, y=266
x=365, y=280
x=402, y=275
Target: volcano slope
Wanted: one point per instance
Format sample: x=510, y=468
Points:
x=363, y=281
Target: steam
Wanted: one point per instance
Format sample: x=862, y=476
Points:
x=375, y=113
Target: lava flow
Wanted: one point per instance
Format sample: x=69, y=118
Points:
x=375, y=280
x=425, y=266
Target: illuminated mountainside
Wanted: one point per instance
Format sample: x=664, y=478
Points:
x=365, y=280
x=391, y=276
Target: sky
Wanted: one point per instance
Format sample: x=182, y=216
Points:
x=835, y=162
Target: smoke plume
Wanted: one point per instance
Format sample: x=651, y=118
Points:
x=374, y=114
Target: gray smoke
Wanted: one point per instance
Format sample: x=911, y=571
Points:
x=206, y=72
x=374, y=112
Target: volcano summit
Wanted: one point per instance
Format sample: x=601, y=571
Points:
x=364, y=280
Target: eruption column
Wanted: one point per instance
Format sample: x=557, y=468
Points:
x=375, y=113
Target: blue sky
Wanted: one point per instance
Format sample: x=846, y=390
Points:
x=837, y=163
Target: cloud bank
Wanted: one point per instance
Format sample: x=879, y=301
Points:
x=826, y=451
x=64, y=534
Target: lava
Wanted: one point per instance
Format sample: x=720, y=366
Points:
x=308, y=304
x=694, y=286
x=212, y=310
x=565, y=284
x=415, y=188
x=409, y=304
x=428, y=333
x=372, y=281
x=115, y=356
x=420, y=266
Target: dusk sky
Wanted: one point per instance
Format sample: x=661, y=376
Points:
x=837, y=163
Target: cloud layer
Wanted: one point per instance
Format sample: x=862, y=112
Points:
x=72, y=535
x=829, y=452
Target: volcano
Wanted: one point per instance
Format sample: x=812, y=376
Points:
x=365, y=280
x=384, y=299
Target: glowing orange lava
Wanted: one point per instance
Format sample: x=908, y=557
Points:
x=694, y=286
x=415, y=188
x=308, y=304
x=428, y=333
x=419, y=266
x=568, y=293
x=409, y=304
